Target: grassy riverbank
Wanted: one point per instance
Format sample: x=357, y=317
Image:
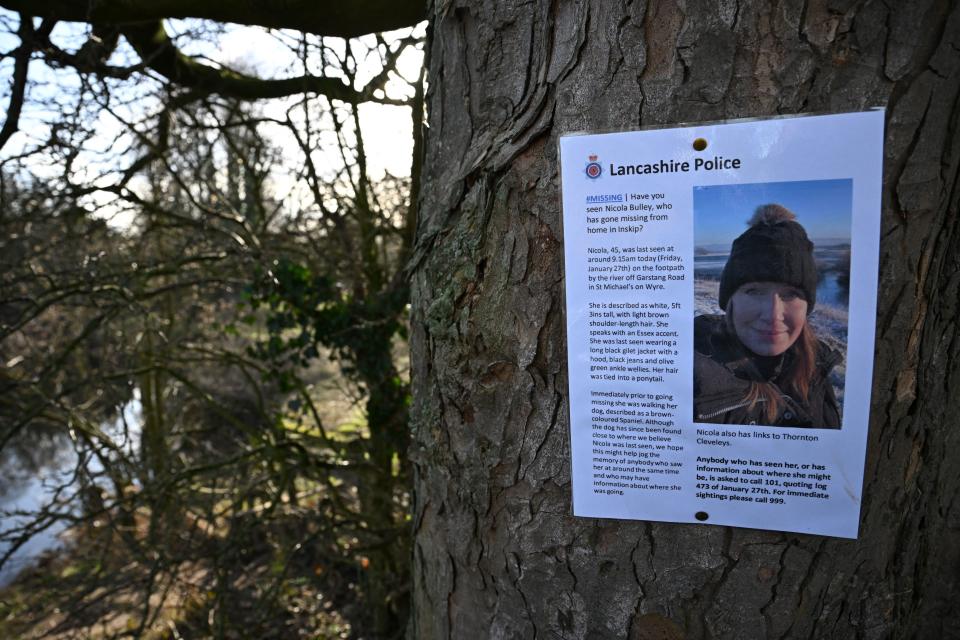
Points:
x=223, y=550
x=97, y=589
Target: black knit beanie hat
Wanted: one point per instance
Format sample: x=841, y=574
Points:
x=774, y=249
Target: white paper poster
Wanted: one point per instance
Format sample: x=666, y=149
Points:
x=721, y=286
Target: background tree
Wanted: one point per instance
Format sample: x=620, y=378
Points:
x=217, y=302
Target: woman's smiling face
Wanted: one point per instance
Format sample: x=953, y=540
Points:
x=768, y=316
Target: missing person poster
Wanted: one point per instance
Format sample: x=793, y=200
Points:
x=721, y=285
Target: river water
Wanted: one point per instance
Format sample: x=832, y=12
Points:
x=28, y=483
x=829, y=289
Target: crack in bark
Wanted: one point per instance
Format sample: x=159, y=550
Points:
x=531, y=399
x=886, y=44
x=924, y=54
x=773, y=587
x=538, y=93
x=907, y=155
x=453, y=588
x=706, y=593
x=574, y=62
x=526, y=603
x=816, y=556
x=546, y=436
x=478, y=536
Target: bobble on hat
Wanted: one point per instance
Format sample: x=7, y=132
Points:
x=771, y=214
x=775, y=248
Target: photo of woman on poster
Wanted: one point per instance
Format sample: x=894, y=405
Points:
x=760, y=362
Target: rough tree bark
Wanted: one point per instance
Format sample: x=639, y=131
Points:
x=497, y=552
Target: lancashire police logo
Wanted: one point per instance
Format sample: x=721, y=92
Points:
x=593, y=168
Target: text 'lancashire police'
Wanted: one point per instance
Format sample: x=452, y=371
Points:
x=717, y=163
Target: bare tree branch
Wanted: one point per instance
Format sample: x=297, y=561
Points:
x=19, y=85
x=92, y=56
x=342, y=19
x=159, y=53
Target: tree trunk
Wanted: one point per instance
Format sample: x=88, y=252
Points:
x=497, y=552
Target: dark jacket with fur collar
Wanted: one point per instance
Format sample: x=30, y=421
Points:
x=723, y=370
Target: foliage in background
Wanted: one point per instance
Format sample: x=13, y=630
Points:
x=224, y=371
